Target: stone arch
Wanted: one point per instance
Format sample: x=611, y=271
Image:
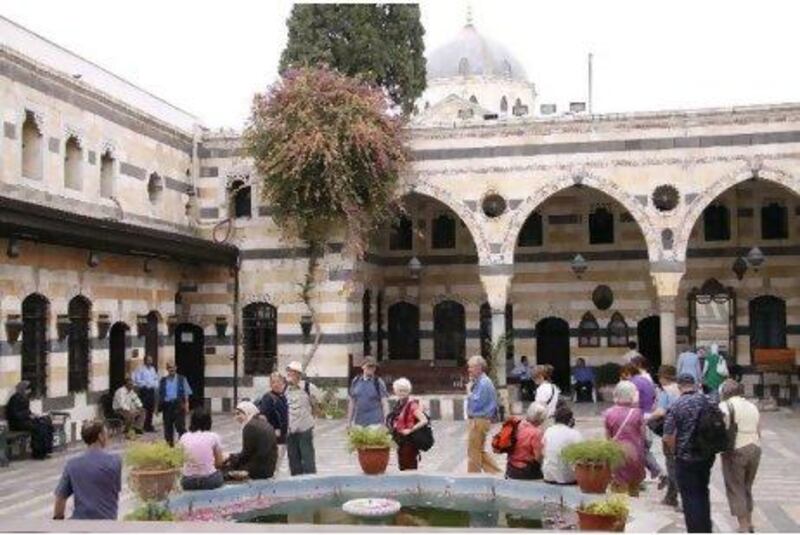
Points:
x=720, y=186
x=467, y=216
x=580, y=178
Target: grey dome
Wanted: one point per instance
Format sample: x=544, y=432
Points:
x=472, y=54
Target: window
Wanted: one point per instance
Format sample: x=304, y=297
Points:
x=403, y=331
x=601, y=226
x=106, y=175
x=366, y=316
x=617, y=331
x=73, y=164
x=34, y=343
x=519, y=109
x=767, y=323
x=155, y=185
x=401, y=237
x=78, y=344
x=151, y=336
x=260, y=323
x=504, y=104
x=774, y=222
x=588, y=331
x=449, y=331
x=31, y=147
x=717, y=223
x=463, y=66
x=241, y=202
x=444, y=232
x=531, y=233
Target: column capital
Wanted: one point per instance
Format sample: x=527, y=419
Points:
x=667, y=283
x=496, y=287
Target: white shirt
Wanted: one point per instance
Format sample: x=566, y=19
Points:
x=126, y=400
x=555, y=439
x=630, y=355
x=746, y=416
x=547, y=395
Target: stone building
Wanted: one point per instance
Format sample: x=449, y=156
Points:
x=130, y=228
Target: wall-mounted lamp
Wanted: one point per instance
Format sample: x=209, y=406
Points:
x=13, y=327
x=579, y=265
x=740, y=267
x=414, y=267
x=222, y=326
x=12, y=251
x=103, y=325
x=93, y=260
x=141, y=325
x=62, y=326
x=148, y=265
x=755, y=258
x=305, y=326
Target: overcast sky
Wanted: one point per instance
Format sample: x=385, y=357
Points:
x=210, y=57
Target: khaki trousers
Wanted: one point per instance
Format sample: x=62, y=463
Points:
x=739, y=469
x=478, y=458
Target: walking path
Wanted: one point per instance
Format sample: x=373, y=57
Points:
x=26, y=487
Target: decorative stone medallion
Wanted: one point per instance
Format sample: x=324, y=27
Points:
x=493, y=205
x=665, y=198
x=603, y=297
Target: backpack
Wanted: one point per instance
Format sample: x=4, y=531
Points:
x=505, y=440
x=422, y=437
x=710, y=434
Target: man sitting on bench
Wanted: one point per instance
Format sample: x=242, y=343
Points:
x=129, y=407
x=20, y=418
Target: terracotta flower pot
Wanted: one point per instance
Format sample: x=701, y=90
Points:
x=153, y=485
x=593, y=522
x=592, y=478
x=373, y=461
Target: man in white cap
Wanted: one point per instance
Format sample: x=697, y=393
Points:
x=302, y=397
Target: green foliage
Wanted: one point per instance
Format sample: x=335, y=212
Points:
x=615, y=505
x=607, y=374
x=154, y=456
x=330, y=403
x=382, y=42
x=595, y=451
x=370, y=437
x=151, y=511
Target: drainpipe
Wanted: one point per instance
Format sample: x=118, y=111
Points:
x=236, y=331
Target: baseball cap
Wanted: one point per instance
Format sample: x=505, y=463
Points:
x=295, y=366
x=686, y=379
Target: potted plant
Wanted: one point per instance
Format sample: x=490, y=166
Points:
x=610, y=514
x=593, y=461
x=151, y=511
x=329, y=406
x=372, y=444
x=155, y=466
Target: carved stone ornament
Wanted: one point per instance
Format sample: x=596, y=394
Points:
x=665, y=198
x=603, y=297
x=493, y=205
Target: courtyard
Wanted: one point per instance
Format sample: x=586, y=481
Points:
x=26, y=487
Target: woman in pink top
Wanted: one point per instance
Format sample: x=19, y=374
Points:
x=625, y=425
x=525, y=461
x=203, y=454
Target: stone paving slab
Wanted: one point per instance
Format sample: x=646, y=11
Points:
x=26, y=487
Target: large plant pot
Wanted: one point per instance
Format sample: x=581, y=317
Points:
x=153, y=485
x=593, y=522
x=373, y=461
x=592, y=478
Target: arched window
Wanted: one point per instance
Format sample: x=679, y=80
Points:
x=401, y=237
x=155, y=185
x=32, y=141
x=403, y=331
x=463, y=67
x=449, y=331
x=588, y=331
x=79, y=310
x=486, y=330
x=767, y=323
x=617, y=331
x=774, y=222
x=34, y=343
x=106, y=175
x=73, y=164
x=504, y=104
x=531, y=233
x=444, y=232
x=601, y=226
x=260, y=323
x=151, y=336
x=717, y=223
x=241, y=201
x=366, y=316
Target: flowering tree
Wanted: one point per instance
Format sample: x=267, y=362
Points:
x=329, y=155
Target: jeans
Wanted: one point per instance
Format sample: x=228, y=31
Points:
x=174, y=419
x=209, y=482
x=672, y=488
x=148, y=397
x=300, y=450
x=693, y=478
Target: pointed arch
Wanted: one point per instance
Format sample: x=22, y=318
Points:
x=588, y=331
x=35, y=320
x=78, y=350
x=617, y=331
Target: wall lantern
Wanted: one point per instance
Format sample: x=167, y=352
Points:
x=12, y=251
x=755, y=258
x=172, y=322
x=148, y=266
x=414, y=267
x=103, y=325
x=222, y=326
x=93, y=260
x=740, y=267
x=13, y=327
x=141, y=325
x=62, y=326
x=305, y=325
x=579, y=265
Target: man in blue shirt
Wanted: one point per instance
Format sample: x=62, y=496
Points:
x=368, y=403
x=173, y=397
x=481, y=410
x=94, y=479
x=145, y=379
x=689, y=362
x=522, y=371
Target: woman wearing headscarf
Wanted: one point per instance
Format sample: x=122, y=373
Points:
x=624, y=425
x=259, y=453
x=20, y=418
x=715, y=371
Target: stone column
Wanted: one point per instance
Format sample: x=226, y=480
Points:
x=667, y=283
x=496, y=288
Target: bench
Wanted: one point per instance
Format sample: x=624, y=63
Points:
x=17, y=444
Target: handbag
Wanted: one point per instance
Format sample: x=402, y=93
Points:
x=722, y=367
x=423, y=437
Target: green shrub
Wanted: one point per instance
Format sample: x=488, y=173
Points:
x=330, y=403
x=615, y=505
x=371, y=437
x=607, y=374
x=154, y=456
x=595, y=451
x=151, y=511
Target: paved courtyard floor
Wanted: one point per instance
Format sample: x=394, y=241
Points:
x=26, y=487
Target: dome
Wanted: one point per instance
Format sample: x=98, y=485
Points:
x=472, y=54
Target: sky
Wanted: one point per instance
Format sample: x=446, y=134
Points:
x=210, y=57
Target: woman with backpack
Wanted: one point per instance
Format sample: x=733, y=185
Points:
x=406, y=418
x=739, y=465
x=546, y=392
x=525, y=457
x=624, y=425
